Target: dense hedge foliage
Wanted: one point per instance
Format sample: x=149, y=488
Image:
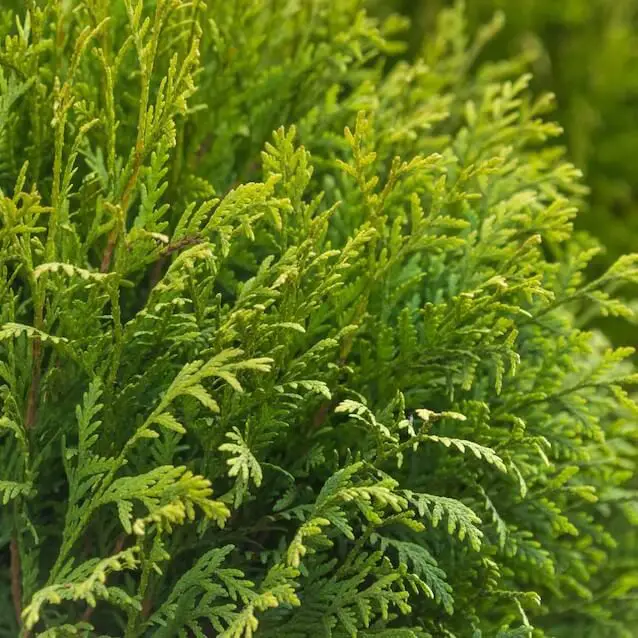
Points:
x=586, y=52
x=326, y=381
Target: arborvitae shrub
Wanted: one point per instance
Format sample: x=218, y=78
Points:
x=586, y=52
x=301, y=383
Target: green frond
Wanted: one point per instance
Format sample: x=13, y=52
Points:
x=292, y=333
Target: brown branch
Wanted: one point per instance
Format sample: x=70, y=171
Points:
x=181, y=243
x=34, y=388
x=147, y=606
x=156, y=273
x=321, y=414
x=16, y=584
x=108, y=252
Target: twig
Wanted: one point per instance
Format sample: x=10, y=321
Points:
x=181, y=243
x=321, y=414
x=147, y=605
x=34, y=388
x=156, y=273
x=16, y=585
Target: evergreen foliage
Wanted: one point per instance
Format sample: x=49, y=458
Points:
x=586, y=52
x=326, y=381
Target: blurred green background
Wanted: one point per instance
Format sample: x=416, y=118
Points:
x=586, y=53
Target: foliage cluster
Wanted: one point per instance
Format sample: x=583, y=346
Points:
x=586, y=53
x=327, y=381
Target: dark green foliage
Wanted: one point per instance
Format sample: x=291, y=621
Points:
x=326, y=381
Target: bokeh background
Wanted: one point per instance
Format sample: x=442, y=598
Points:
x=586, y=53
